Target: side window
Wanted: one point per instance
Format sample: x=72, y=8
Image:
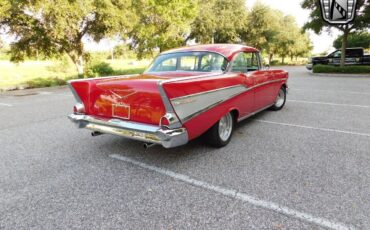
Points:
x=188, y=63
x=167, y=65
x=337, y=54
x=246, y=62
x=212, y=62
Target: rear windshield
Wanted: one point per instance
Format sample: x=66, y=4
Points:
x=189, y=61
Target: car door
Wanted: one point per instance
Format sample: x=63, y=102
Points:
x=335, y=58
x=261, y=91
x=240, y=66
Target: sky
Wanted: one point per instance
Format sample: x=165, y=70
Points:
x=322, y=42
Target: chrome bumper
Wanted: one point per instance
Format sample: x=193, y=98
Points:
x=168, y=138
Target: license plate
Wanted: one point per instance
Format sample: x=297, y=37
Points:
x=121, y=111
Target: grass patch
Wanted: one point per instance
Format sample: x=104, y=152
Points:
x=338, y=69
x=36, y=74
x=129, y=71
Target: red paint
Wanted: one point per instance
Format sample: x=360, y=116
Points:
x=141, y=93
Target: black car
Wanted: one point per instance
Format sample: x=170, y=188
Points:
x=354, y=56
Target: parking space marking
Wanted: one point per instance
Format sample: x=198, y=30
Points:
x=328, y=103
x=315, y=128
x=44, y=93
x=237, y=195
x=5, y=104
x=328, y=90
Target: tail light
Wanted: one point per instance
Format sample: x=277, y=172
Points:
x=79, y=109
x=169, y=120
x=164, y=122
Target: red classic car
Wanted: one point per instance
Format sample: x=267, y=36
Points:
x=184, y=94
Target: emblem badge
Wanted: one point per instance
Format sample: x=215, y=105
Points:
x=338, y=11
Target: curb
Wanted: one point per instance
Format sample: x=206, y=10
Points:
x=33, y=91
x=339, y=75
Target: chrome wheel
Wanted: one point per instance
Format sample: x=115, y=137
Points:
x=225, y=127
x=280, y=100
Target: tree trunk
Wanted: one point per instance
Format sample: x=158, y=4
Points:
x=271, y=56
x=80, y=65
x=282, y=60
x=344, y=46
x=77, y=57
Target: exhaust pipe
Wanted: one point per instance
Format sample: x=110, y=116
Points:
x=149, y=145
x=95, y=134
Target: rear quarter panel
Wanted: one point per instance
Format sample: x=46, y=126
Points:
x=201, y=102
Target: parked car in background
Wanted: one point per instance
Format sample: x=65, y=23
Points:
x=354, y=56
x=184, y=94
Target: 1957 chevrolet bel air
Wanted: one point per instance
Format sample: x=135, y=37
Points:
x=184, y=94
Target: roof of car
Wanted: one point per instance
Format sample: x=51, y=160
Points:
x=227, y=50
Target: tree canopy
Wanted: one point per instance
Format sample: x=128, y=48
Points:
x=357, y=39
x=317, y=23
x=56, y=27
x=163, y=24
x=275, y=33
x=219, y=21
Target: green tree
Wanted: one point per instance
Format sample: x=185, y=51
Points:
x=56, y=27
x=274, y=33
x=357, y=39
x=219, y=21
x=317, y=23
x=263, y=28
x=163, y=24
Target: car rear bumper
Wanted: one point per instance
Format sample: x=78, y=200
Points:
x=168, y=138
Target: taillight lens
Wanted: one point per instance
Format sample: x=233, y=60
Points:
x=79, y=109
x=164, y=121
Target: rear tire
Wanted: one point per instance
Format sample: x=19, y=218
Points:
x=280, y=100
x=220, y=134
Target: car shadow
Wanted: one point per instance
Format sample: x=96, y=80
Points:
x=162, y=156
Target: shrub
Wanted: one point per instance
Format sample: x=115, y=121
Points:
x=338, y=69
x=129, y=71
x=45, y=82
x=99, y=69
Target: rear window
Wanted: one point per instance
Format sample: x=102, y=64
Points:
x=189, y=61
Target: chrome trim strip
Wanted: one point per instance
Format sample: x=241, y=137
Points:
x=168, y=138
x=102, y=78
x=175, y=122
x=200, y=102
x=174, y=100
x=202, y=110
x=78, y=99
x=192, y=51
x=254, y=113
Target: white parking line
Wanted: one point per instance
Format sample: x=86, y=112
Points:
x=315, y=128
x=328, y=90
x=7, y=105
x=237, y=195
x=44, y=93
x=327, y=103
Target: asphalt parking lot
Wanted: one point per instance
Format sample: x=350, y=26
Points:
x=305, y=167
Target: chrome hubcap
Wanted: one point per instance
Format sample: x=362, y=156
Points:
x=225, y=127
x=280, y=98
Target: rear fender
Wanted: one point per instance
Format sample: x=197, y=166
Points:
x=200, y=103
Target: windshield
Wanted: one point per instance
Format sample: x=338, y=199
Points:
x=189, y=61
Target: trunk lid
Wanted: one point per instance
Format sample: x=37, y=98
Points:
x=131, y=98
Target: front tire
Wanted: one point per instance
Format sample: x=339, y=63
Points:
x=220, y=134
x=280, y=100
